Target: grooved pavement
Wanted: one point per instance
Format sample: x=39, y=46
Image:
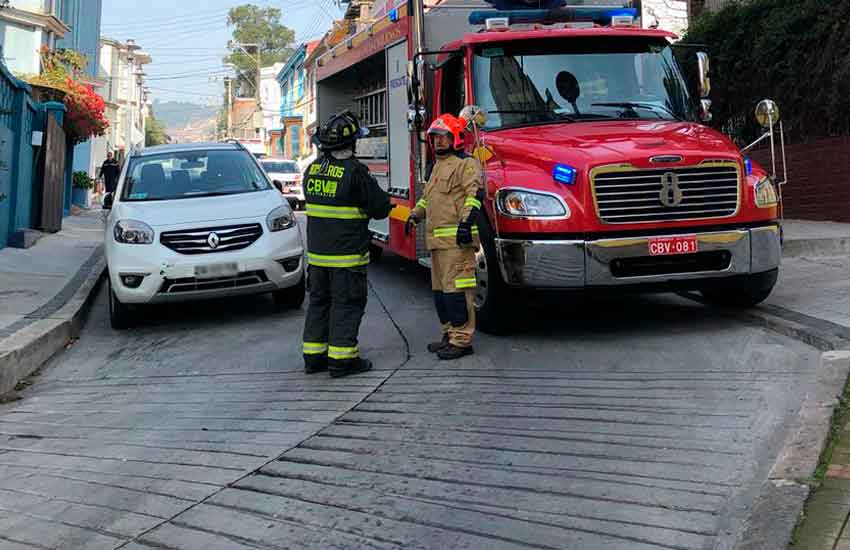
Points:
x=636, y=423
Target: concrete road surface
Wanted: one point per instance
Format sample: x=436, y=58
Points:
x=636, y=423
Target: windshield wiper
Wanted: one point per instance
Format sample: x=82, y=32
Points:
x=633, y=105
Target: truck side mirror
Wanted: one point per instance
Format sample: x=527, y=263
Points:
x=108, y=199
x=704, y=63
x=767, y=114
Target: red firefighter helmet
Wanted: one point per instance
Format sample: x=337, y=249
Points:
x=449, y=125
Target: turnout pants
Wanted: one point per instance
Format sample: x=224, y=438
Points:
x=453, y=281
x=337, y=303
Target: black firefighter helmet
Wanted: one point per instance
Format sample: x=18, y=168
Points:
x=341, y=131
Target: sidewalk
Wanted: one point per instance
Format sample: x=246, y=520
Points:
x=814, y=292
x=43, y=292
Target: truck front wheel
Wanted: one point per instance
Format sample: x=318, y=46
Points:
x=750, y=291
x=492, y=303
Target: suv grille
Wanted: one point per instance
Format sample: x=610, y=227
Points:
x=197, y=241
x=638, y=196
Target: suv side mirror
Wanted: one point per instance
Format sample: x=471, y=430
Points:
x=108, y=199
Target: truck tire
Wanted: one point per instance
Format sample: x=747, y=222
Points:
x=751, y=291
x=492, y=303
x=290, y=298
x=120, y=315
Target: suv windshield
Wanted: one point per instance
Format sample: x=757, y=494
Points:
x=192, y=174
x=577, y=79
x=280, y=167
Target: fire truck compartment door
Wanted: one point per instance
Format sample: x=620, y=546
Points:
x=399, y=137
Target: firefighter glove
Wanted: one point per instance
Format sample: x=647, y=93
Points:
x=409, y=225
x=464, y=234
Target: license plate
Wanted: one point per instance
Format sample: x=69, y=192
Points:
x=671, y=246
x=215, y=271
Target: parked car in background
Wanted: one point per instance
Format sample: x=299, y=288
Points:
x=197, y=221
x=286, y=176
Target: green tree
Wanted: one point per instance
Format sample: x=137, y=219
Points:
x=154, y=132
x=255, y=25
x=796, y=52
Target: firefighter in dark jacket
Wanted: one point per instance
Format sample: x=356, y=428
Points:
x=450, y=206
x=342, y=196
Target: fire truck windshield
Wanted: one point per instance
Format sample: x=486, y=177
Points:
x=579, y=79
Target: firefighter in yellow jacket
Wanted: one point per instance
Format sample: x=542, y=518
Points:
x=450, y=207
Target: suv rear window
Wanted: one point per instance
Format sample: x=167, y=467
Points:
x=192, y=174
x=278, y=167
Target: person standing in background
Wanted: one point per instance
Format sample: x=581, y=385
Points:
x=109, y=171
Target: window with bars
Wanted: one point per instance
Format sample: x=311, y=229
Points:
x=372, y=109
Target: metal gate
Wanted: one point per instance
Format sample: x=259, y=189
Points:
x=52, y=204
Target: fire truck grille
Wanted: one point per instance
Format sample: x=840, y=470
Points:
x=642, y=196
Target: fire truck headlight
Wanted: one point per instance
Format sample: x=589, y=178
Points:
x=521, y=203
x=766, y=196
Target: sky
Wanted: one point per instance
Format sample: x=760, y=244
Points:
x=187, y=45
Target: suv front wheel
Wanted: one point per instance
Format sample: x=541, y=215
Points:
x=290, y=298
x=120, y=315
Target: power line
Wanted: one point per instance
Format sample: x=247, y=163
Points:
x=155, y=20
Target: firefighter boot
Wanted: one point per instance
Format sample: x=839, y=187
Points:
x=346, y=368
x=316, y=366
x=452, y=352
x=435, y=347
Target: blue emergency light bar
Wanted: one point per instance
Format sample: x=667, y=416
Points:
x=579, y=14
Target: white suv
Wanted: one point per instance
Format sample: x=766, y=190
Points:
x=199, y=221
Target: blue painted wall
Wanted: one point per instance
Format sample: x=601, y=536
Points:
x=84, y=18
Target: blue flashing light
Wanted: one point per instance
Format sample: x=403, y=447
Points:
x=564, y=174
x=748, y=164
x=601, y=16
x=394, y=15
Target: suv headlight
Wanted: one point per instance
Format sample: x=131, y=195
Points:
x=766, y=196
x=133, y=232
x=527, y=204
x=280, y=218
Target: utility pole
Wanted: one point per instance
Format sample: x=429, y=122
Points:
x=258, y=58
x=228, y=86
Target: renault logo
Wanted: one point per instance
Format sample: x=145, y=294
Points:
x=213, y=240
x=671, y=193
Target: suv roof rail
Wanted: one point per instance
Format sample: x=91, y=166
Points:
x=235, y=142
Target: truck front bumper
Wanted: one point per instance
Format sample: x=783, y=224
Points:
x=573, y=264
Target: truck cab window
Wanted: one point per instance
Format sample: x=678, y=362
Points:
x=453, y=87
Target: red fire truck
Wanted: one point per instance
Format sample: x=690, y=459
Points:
x=600, y=172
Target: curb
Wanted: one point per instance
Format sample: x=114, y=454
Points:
x=29, y=348
x=797, y=248
x=782, y=497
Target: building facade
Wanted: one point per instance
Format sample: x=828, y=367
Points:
x=25, y=27
x=670, y=15
x=293, y=141
x=121, y=69
x=270, y=103
x=84, y=19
